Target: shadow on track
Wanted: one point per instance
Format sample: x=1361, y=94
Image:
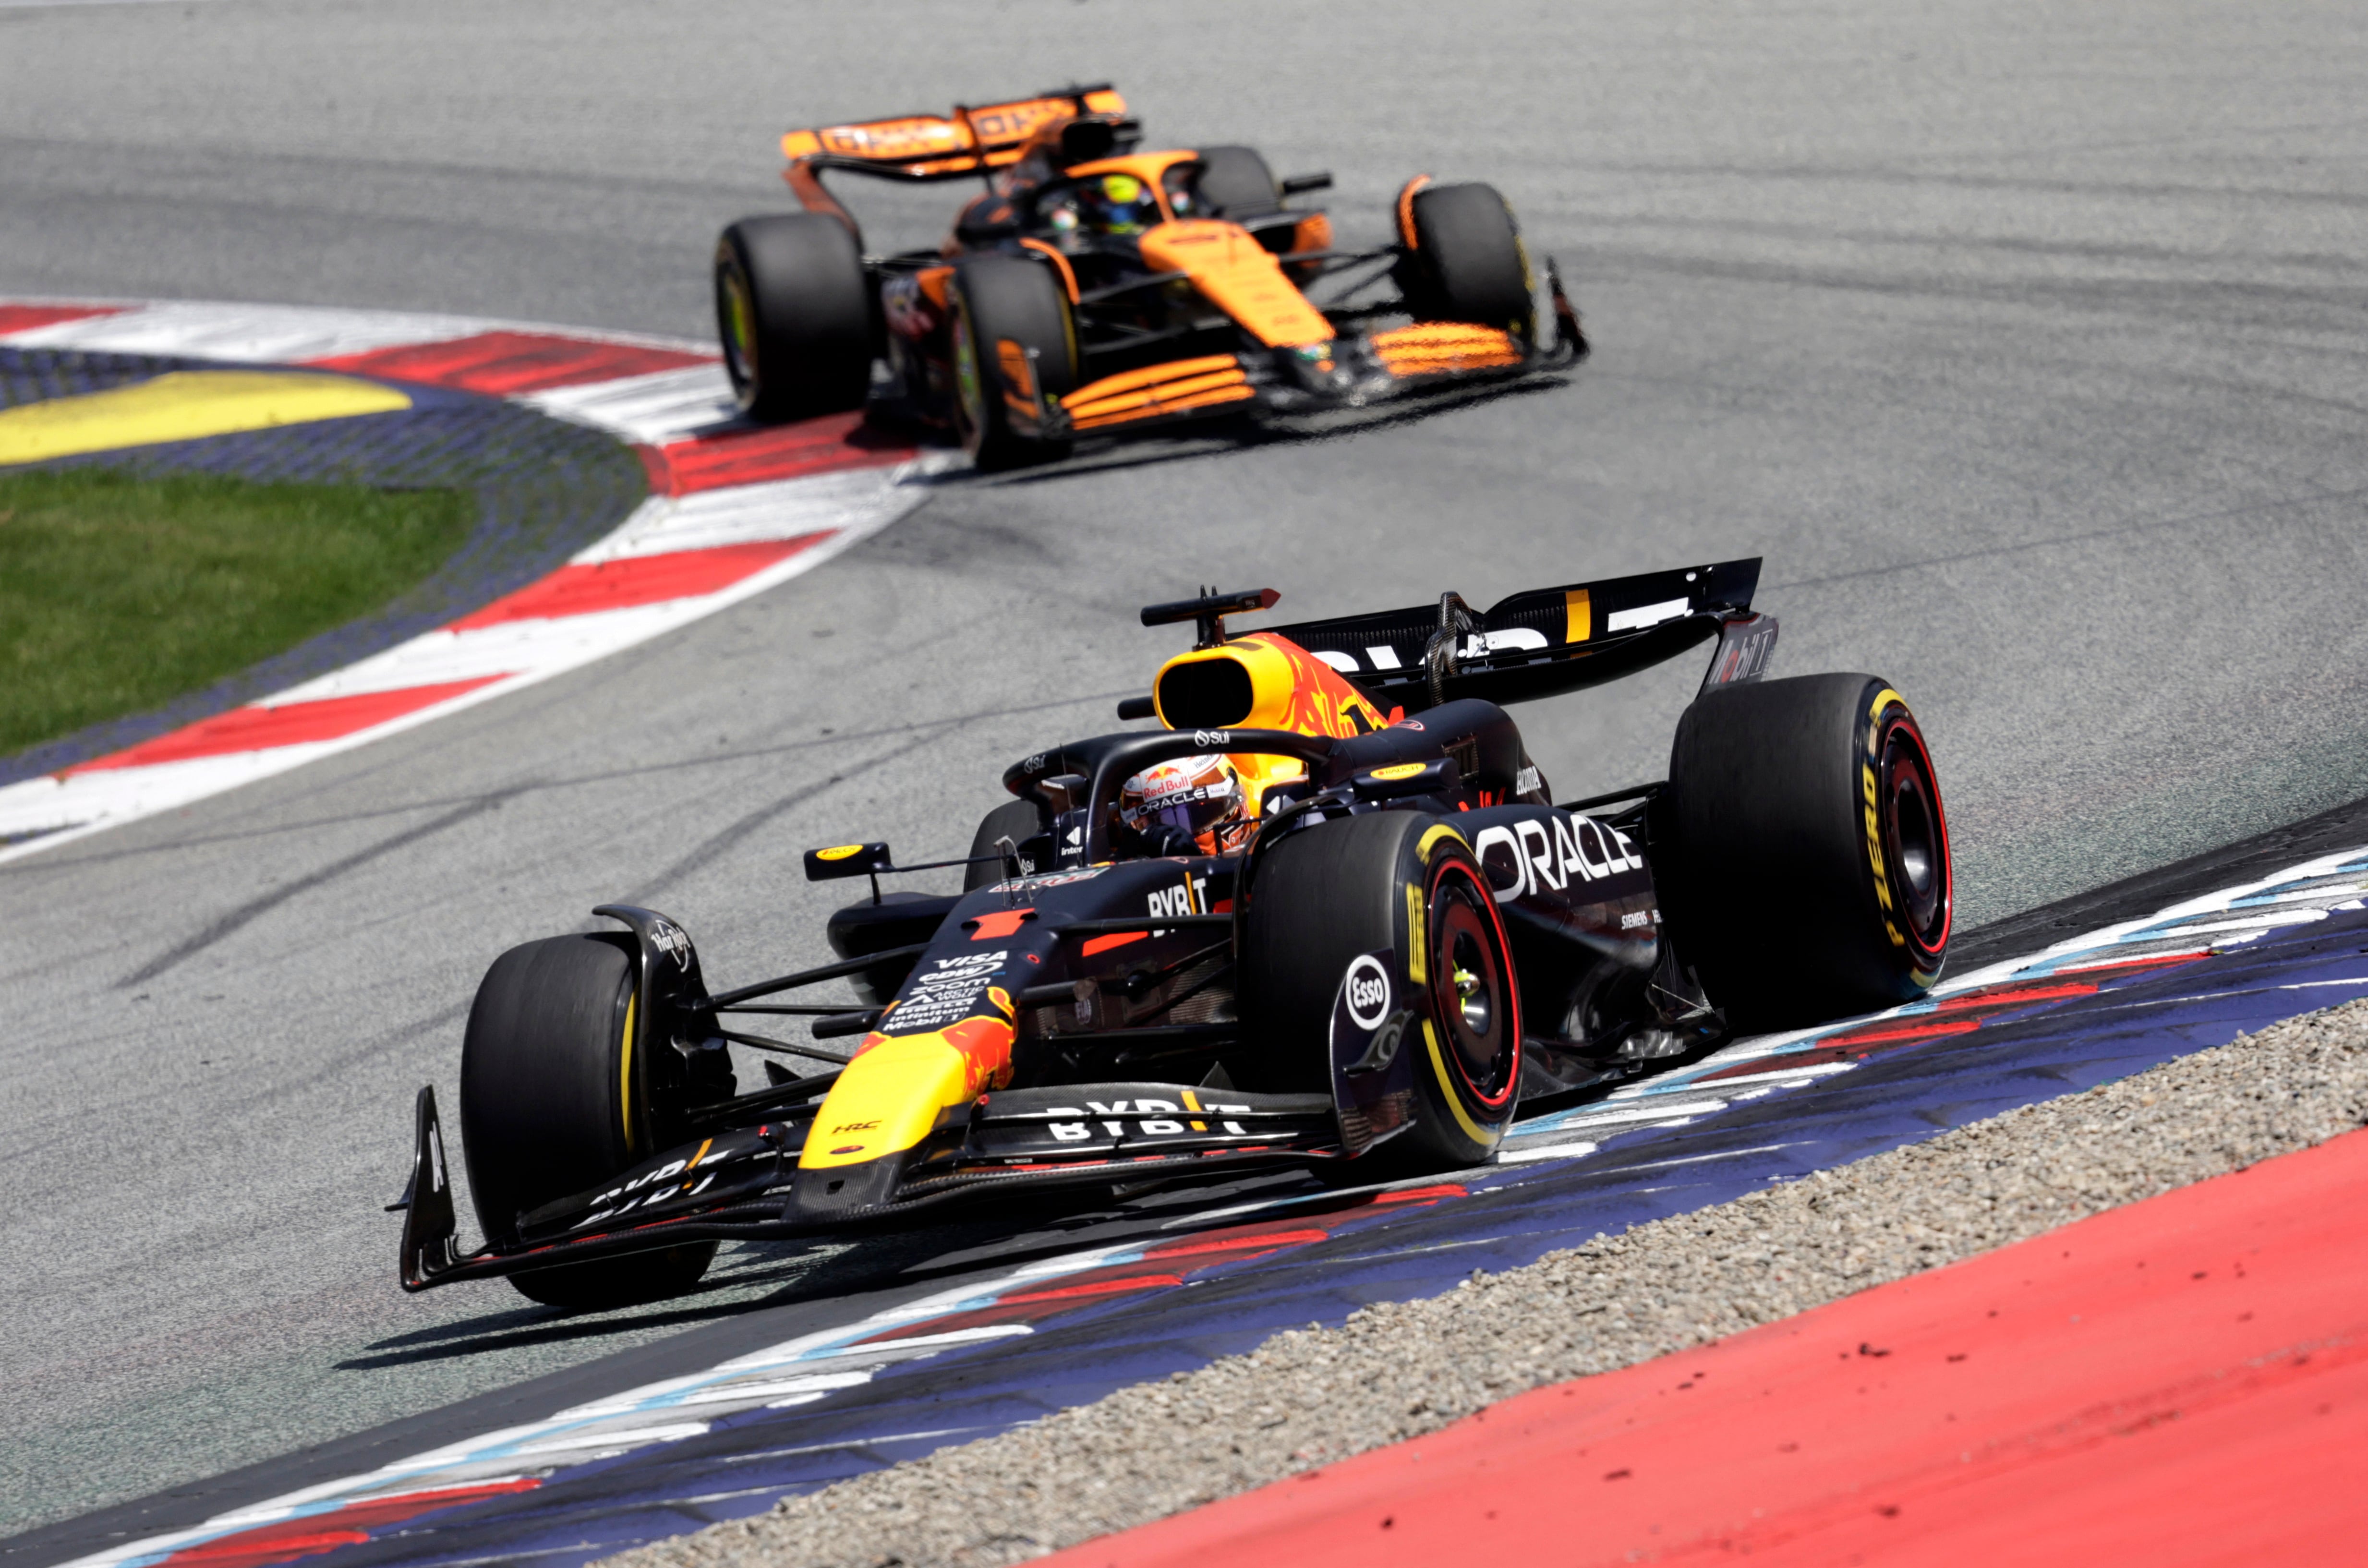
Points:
x=1222, y=436
x=859, y=1265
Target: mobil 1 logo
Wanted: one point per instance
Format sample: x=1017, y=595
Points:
x=946, y=993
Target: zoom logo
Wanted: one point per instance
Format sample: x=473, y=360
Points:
x=1367, y=989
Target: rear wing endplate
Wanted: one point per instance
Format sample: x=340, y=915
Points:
x=1547, y=641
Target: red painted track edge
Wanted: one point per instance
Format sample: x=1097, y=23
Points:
x=2180, y=1382
x=262, y=726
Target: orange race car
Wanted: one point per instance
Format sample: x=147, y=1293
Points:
x=1094, y=287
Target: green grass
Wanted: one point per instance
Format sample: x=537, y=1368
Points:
x=121, y=591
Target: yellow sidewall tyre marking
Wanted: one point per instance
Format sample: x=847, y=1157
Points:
x=1423, y=846
x=1487, y=1138
x=625, y=1063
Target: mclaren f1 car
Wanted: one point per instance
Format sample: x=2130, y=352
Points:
x=1326, y=915
x=1095, y=286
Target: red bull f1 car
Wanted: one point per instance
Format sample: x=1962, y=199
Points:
x=1325, y=915
x=1095, y=286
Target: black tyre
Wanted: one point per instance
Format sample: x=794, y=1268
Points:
x=1235, y=183
x=1465, y=262
x=794, y=309
x=1015, y=349
x=1326, y=896
x=552, y=1102
x=1018, y=821
x=1801, y=851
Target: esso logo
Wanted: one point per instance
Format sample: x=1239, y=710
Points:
x=1368, y=990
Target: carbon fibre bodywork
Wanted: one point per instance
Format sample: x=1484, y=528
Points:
x=1076, y=1021
x=1206, y=304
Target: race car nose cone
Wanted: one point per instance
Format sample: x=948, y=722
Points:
x=835, y=1192
x=1318, y=367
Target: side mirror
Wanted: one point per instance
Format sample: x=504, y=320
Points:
x=847, y=860
x=1300, y=184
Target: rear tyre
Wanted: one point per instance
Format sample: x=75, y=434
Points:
x=1235, y=183
x=793, y=307
x=1802, y=851
x=1326, y=896
x=552, y=1103
x=1015, y=358
x=1018, y=821
x=1465, y=262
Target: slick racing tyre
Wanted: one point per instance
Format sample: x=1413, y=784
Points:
x=1018, y=821
x=794, y=310
x=1464, y=260
x=1807, y=855
x=552, y=1103
x=1015, y=349
x=1405, y=885
x=1235, y=184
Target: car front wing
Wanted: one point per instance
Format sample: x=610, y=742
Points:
x=1352, y=372
x=743, y=1183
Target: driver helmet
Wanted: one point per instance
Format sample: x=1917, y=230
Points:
x=1118, y=204
x=1194, y=797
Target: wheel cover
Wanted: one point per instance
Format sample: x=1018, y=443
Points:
x=739, y=315
x=1472, y=993
x=969, y=389
x=1915, y=838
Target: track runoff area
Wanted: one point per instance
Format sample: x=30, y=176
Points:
x=733, y=511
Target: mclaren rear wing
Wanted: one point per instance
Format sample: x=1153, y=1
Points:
x=1547, y=640
x=932, y=146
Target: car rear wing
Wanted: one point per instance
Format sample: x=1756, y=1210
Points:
x=1547, y=640
x=931, y=146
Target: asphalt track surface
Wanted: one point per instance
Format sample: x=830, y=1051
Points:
x=2023, y=344
x=888, y=1365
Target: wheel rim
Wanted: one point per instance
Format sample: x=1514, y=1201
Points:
x=1916, y=838
x=970, y=390
x=1470, y=986
x=739, y=314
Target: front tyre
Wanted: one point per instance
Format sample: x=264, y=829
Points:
x=1465, y=261
x=1235, y=184
x=1327, y=896
x=554, y=1100
x=1015, y=347
x=1802, y=851
x=1017, y=821
x=793, y=308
